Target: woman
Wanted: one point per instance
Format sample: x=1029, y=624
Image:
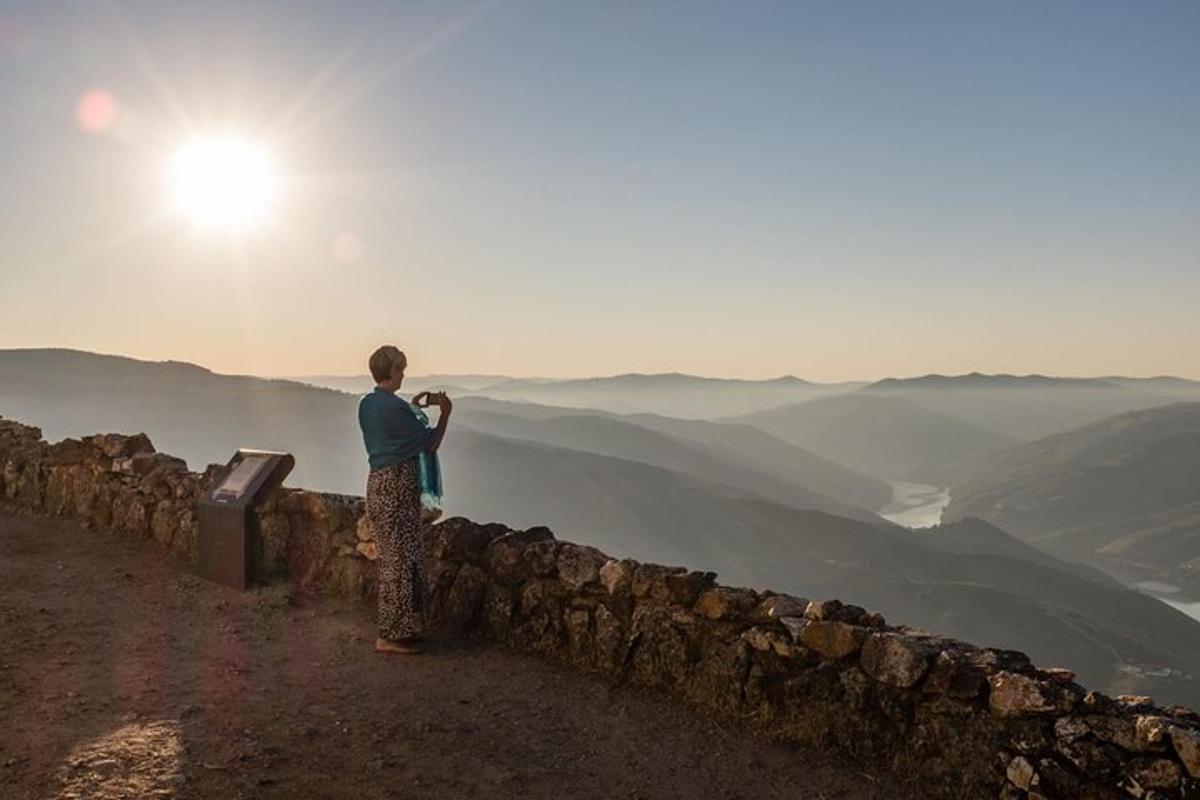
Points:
x=397, y=442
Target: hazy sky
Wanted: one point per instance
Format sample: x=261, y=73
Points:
x=834, y=190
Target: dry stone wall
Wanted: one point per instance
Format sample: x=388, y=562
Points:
x=954, y=719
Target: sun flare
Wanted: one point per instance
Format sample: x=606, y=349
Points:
x=223, y=182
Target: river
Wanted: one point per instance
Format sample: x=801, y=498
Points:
x=1163, y=592
x=920, y=505
x=916, y=505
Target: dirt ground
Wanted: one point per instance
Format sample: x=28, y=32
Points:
x=122, y=675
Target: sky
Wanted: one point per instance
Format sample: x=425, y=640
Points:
x=835, y=190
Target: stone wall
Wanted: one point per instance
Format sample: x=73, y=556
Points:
x=954, y=719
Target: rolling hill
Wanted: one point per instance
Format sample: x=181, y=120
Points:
x=671, y=394
x=1123, y=492
x=738, y=455
x=1028, y=407
x=888, y=437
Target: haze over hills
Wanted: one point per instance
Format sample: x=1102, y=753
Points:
x=682, y=494
x=1123, y=492
x=1032, y=406
x=742, y=455
x=669, y=394
x=186, y=409
x=358, y=384
x=887, y=437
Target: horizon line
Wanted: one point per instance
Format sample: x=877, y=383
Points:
x=787, y=376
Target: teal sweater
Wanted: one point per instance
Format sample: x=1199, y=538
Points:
x=393, y=432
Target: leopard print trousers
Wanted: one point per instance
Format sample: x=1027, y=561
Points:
x=394, y=508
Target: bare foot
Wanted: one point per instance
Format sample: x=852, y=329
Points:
x=407, y=647
x=430, y=515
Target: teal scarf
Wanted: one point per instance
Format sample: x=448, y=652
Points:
x=429, y=472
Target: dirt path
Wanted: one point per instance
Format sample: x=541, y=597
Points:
x=122, y=675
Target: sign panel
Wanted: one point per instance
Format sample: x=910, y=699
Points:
x=241, y=476
x=230, y=541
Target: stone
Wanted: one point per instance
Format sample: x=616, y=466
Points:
x=718, y=678
x=362, y=529
x=954, y=676
x=1156, y=773
x=1183, y=714
x=1151, y=733
x=670, y=584
x=1010, y=792
x=757, y=638
x=1060, y=674
x=896, y=660
x=1186, y=742
x=822, y=609
x=660, y=653
x=542, y=558
x=464, y=601
x=65, y=452
x=1020, y=772
x=617, y=576
x=794, y=626
x=1017, y=695
x=142, y=463
x=832, y=639
x=1055, y=780
x=646, y=576
x=873, y=620
x=1097, y=760
x=162, y=522
x=764, y=640
x=1115, y=729
x=504, y=555
x=609, y=639
x=683, y=588
x=578, y=624
x=776, y=606
x=579, y=565
x=856, y=687
x=460, y=539
x=115, y=445
x=723, y=602
x=498, y=611
x=992, y=660
x=837, y=611
x=1099, y=703
x=1070, y=729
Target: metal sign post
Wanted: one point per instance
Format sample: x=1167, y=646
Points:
x=230, y=541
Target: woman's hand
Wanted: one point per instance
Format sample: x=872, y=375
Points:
x=443, y=403
x=427, y=399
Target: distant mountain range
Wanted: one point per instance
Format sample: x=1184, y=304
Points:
x=1029, y=407
x=360, y=384
x=1123, y=492
x=669, y=394
x=970, y=413
x=739, y=456
x=721, y=495
x=888, y=437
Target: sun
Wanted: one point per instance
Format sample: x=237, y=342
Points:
x=223, y=182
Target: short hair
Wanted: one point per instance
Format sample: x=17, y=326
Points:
x=383, y=360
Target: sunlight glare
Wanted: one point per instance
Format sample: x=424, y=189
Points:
x=226, y=183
